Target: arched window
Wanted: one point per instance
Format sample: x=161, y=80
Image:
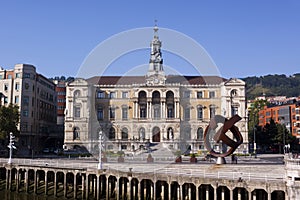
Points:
x=170, y=104
x=76, y=133
x=142, y=101
x=156, y=104
x=124, y=134
x=142, y=133
x=200, y=112
x=112, y=134
x=170, y=134
x=212, y=111
x=200, y=133
x=76, y=93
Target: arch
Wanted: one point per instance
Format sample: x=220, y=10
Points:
x=142, y=133
x=156, y=134
x=200, y=112
x=241, y=193
x=156, y=105
x=200, y=133
x=170, y=133
x=233, y=93
x=142, y=101
x=278, y=195
x=170, y=104
x=77, y=93
x=111, y=134
x=76, y=133
x=124, y=133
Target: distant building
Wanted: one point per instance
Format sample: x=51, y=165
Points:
x=171, y=110
x=36, y=97
x=60, y=89
x=287, y=114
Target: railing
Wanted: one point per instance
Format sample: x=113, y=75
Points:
x=152, y=168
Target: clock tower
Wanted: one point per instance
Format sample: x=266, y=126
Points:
x=156, y=74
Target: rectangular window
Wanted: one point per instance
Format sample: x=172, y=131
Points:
x=124, y=113
x=77, y=112
x=17, y=99
x=199, y=95
x=5, y=87
x=9, y=76
x=187, y=113
x=26, y=75
x=100, y=94
x=25, y=113
x=186, y=94
x=112, y=113
x=5, y=100
x=112, y=95
x=25, y=100
x=17, y=86
x=200, y=113
x=124, y=95
x=212, y=94
x=100, y=113
x=18, y=75
x=1, y=76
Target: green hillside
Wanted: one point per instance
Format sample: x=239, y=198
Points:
x=273, y=85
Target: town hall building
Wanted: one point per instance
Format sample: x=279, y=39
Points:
x=135, y=111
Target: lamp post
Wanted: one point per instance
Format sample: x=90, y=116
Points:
x=254, y=141
x=100, y=149
x=11, y=146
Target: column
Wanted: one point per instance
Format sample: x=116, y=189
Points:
x=141, y=193
x=223, y=194
x=75, y=186
x=135, y=109
x=107, y=188
x=153, y=190
x=129, y=189
x=215, y=193
x=175, y=110
x=190, y=191
x=98, y=188
x=162, y=192
x=17, y=180
x=35, y=182
x=150, y=110
x=197, y=192
x=117, y=188
x=169, y=191
x=55, y=185
x=87, y=186
x=239, y=194
x=254, y=195
x=65, y=185
x=207, y=192
x=8, y=179
x=231, y=193
x=134, y=189
x=269, y=195
x=46, y=183
x=26, y=181
x=83, y=177
x=179, y=191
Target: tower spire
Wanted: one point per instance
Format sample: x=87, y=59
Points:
x=156, y=70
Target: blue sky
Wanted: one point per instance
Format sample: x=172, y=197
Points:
x=244, y=38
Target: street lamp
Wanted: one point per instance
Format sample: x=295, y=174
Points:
x=11, y=146
x=254, y=141
x=100, y=149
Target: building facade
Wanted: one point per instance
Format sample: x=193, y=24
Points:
x=133, y=111
x=35, y=96
x=287, y=114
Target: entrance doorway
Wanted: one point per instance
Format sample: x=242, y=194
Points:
x=156, y=134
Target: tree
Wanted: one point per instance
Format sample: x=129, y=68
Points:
x=256, y=106
x=9, y=120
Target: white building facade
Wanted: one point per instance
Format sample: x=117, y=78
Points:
x=135, y=111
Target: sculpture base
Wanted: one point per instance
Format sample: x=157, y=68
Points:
x=220, y=161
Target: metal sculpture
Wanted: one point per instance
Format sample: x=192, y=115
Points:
x=220, y=136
